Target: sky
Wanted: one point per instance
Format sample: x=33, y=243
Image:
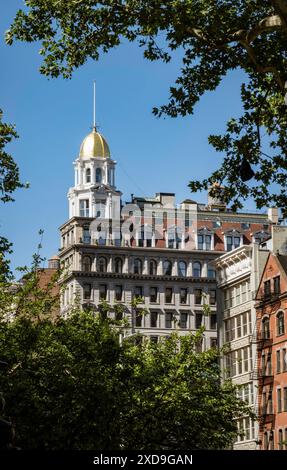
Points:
x=52, y=117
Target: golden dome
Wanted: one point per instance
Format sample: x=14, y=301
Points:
x=94, y=145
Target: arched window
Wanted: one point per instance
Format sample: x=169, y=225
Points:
x=87, y=263
x=280, y=323
x=102, y=265
x=265, y=328
x=196, y=269
x=88, y=175
x=152, y=267
x=182, y=268
x=118, y=265
x=98, y=175
x=167, y=268
x=138, y=266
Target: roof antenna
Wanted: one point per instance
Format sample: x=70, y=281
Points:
x=94, y=108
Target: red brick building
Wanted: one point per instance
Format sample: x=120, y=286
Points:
x=271, y=308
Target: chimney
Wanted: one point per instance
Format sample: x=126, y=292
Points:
x=273, y=215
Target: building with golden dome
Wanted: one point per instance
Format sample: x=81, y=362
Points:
x=159, y=251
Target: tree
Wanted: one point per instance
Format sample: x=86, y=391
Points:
x=215, y=37
x=72, y=384
x=9, y=182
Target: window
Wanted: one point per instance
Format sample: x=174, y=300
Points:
x=197, y=296
x=213, y=322
x=87, y=291
x=266, y=441
x=87, y=263
x=284, y=360
x=103, y=291
x=183, y=295
x=102, y=265
x=137, y=266
x=245, y=226
x=183, y=320
x=118, y=314
x=152, y=267
x=227, y=298
x=239, y=326
x=198, y=320
x=268, y=365
x=138, y=292
x=232, y=242
x=278, y=361
x=285, y=399
x=98, y=175
x=167, y=268
x=154, y=339
x=182, y=268
x=211, y=273
x=88, y=175
x=267, y=288
x=153, y=294
x=153, y=319
x=213, y=343
x=280, y=439
x=208, y=242
x=168, y=295
x=84, y=208
x=276, y=285
x=138, y=319
x=204, y=242
x=279, y=400
x=280, y=323
x=196, y=269
x=212, y=296
x=118, y=265
x=118, y=293
x=271, y=440
x=168, y=320
x=200, y=241
x=237, y=295
x=265, y=328
x=86, y=235
x=243, y=292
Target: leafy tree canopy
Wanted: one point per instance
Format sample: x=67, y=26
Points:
x=71, y=384
x=215, y=37
x=9, y=182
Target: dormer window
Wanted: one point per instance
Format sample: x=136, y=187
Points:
x=233, y=240
x=259, y=237
x=204, y=239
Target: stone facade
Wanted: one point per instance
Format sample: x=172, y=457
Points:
x=150, y=248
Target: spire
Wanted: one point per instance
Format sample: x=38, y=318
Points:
x=94, y=108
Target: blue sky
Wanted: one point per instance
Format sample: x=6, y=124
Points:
x=53, y=116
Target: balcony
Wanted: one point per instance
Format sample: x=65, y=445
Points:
x=267, y=296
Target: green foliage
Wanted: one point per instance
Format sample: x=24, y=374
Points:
x=214, y=37
x=72, y=384
x=9, y=172
x=9, y=182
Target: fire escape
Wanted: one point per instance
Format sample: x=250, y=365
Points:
x=262, y=371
